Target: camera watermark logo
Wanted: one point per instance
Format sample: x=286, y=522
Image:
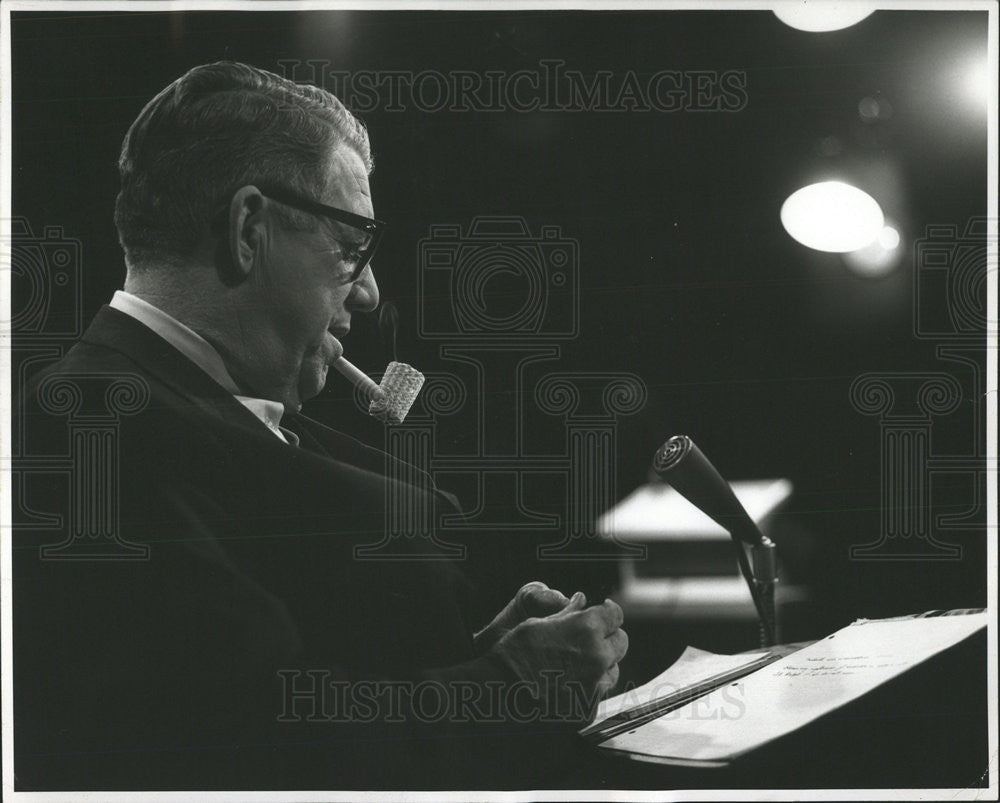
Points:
x=950, y=283
x=45, y=288
x=548, y=87
x=500, y=299
x=541, y=275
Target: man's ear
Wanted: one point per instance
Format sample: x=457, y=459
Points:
x=247, y=230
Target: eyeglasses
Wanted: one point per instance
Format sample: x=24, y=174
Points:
x=359, y=253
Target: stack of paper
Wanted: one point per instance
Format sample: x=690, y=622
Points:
x=789, y=693
x=694, y=674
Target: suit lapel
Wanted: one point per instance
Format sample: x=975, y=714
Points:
x=115, y=330
x=122, y=333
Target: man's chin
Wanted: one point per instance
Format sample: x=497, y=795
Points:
x=312, y=380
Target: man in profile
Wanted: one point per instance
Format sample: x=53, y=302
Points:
x=251, y=648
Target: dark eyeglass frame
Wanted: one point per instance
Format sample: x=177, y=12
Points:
x=372, y=227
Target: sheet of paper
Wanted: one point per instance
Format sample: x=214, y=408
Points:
x=790, y=693
x=693, y=667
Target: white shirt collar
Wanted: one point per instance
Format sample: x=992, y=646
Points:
x=201, y=353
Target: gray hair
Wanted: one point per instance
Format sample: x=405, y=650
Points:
x=217, y=128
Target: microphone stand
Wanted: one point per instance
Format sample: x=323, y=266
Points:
x=765, y=576
x=760, y=579
x=681, y=463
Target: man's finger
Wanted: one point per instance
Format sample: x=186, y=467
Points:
x=608, y=681
x=576, y=603
x=531, y=588
x=611, y=615
x=618, y=641
x=540, y=600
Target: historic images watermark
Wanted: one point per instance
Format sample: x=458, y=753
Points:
x=548, y=87
x=319, y=696
x=951, y=274
x=498, y=341
x=79, y=413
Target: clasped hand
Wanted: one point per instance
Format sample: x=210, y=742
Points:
x=545, y=637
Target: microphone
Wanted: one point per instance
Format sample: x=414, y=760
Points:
x=390, y=401
x=681, y=464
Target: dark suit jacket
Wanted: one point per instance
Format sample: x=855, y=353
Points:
x=164, y=673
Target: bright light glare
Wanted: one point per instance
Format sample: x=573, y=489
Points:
x=978, y=82
x=888, y=238
x=832, y=216
x=822, y=15
x=877, y=258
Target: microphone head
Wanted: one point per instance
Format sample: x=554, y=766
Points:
x=682, y=464
x=400, y=386
x=672, y=453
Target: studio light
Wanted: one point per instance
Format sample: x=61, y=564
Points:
x=832, y=216
x=822, y=15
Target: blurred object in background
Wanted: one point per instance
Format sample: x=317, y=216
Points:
x=687, y=589
x=689, y=572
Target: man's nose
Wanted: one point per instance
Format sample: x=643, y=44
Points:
x=364, y=294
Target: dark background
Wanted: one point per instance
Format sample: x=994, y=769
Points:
x=745, y=339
